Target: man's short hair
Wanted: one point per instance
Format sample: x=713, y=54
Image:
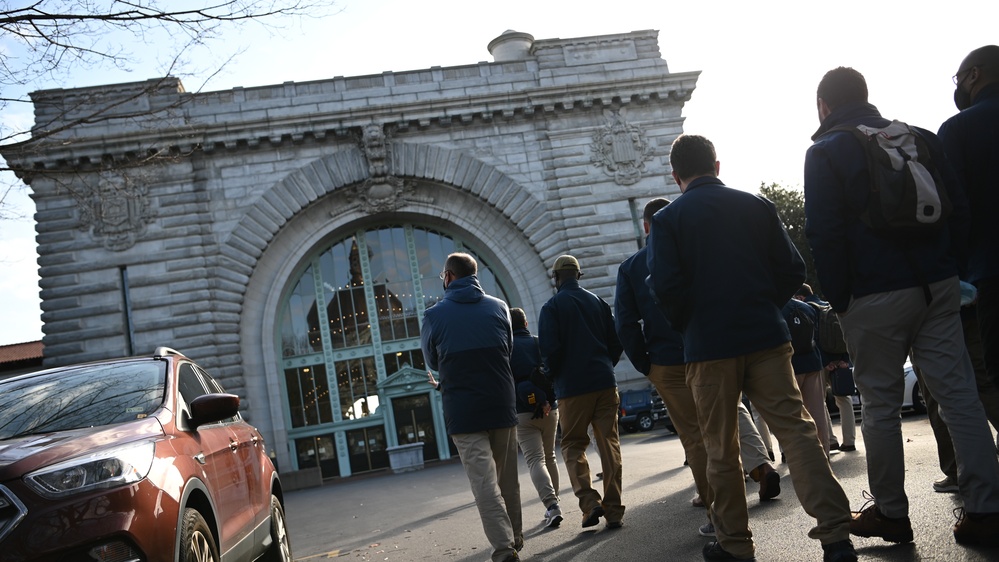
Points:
x=986, y=59
x=842, y=85
x=692, y=156
x=804, y=291
x=653, y=207
x=461, y=265
x=518, y=318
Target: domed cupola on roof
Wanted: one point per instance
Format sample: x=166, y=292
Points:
x=510, y=46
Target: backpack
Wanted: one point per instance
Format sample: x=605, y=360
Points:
x=907, y=196
x=802, y=329
x=830, y=338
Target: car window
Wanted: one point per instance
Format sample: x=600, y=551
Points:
x=86, y=396
x=214, y=386
x=189, y=383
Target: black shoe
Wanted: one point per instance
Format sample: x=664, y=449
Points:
x=593, y=517
x=839, y=551
x=847, y=448
x=713, y=551
x=834, y=446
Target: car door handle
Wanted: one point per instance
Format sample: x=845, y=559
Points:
x=200, y=457
x=233, y=445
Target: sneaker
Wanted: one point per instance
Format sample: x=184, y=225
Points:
x=553, y=516
x=706, y=530
x=696, y=501
x=839, y=551
x=847, y=448
x=976, y=529
x=714, y=551
x=593, y=517
x=615, y=524
x=945, y=485
x=870, y=522
x=518, y=543
x=769, y=480
x=512, y=558
x=834, y=446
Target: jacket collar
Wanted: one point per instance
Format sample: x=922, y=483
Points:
x=568, y=284
x=703, y=180
x=987, y=93
x=850, y=113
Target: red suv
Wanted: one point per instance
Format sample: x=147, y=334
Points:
x=137, y=459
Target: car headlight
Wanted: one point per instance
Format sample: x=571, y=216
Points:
x=107, y=468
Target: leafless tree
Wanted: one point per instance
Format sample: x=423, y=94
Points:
x=45, y=40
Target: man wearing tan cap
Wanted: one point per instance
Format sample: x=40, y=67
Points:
x=579, y=348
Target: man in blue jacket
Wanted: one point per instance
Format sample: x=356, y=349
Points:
x=807, y=365
x=656, y=351
x=467, y=337
x=972, y=146
x=895, y=294
x=722, y=265
x=579, y=348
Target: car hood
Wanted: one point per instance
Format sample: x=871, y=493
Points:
x=21, y=455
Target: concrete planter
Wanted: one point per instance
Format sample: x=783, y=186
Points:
x=406, y=458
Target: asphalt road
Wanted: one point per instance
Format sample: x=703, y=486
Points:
x=430, y=515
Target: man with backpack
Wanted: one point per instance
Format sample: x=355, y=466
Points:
x=899, y=293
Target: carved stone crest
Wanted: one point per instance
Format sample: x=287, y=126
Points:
x=382, y=191
x=621, y=149
x=116, y=210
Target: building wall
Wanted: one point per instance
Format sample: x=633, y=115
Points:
x=180, y=219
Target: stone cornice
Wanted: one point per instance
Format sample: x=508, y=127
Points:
x=307, y=123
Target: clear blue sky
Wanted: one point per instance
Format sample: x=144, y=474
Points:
x=760, y=63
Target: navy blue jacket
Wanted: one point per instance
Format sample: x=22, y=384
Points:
x=579, y=345
x=809, y=361
x=850, y=259
x=525, y=357
x=722, y=266
x=971, y=141
x=467, y=338
x=643, y=329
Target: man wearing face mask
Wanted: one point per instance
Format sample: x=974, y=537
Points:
x=972, y=145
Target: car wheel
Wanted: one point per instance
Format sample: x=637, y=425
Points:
x=280, y=549
x=918, y=406
x=197, y=544
x=645, y=422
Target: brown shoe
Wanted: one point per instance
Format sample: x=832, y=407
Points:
x=870, y=522
x=592, y=517
x=769, y=480
x=976, y=529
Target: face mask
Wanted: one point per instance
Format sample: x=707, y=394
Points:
x=444, y=284
x=962, y=99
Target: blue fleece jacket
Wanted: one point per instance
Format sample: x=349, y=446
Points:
x=971, y=141
x=579, y=346
x=851, y=260
x=643, y=329
x=722, y=266
x=467, y=338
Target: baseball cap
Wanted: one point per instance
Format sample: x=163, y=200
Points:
x=565, y=262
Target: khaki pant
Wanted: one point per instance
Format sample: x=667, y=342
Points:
x=813, y=394
x=767, y=379
x=536, y=438
x=490, y=461
x=600, y=410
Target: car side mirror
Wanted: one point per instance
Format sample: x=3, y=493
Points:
x=211, y=408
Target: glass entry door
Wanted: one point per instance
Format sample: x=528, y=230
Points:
x=414, y=422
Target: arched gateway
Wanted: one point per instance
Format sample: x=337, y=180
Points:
x=289, y=237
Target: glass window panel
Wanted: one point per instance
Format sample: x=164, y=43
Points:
x=308, y=396
x=346, y=305
x=300, y=323
x=395, y=361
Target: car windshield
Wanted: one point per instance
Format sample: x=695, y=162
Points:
x=85, y=396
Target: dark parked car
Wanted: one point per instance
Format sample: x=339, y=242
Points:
x=136, y=459
x=659, y=412
x=636, y=410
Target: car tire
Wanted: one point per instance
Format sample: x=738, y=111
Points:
x=644, y=422
x=918, y=405
x=280, y=548
x=197, y=542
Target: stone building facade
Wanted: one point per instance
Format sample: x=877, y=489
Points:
x=289, y=237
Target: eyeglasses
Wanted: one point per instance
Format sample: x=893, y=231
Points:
x=957, y=77
x=443, y=273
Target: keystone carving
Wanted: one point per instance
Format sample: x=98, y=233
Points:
x=621, y=148
x=116, y=210
x=381, y=192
